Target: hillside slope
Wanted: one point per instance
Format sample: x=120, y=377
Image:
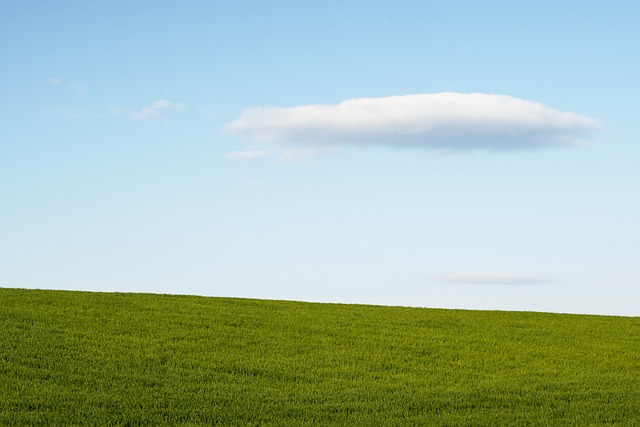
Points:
x=80, y=358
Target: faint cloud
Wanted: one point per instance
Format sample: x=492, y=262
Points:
x=441, y=122
x=75, y=86
x=208, y=110
x=494, y=279
x=295, y=154
x=53, y=81
x=68, y=112
x=117, y=112
x=281, y=154
x=249, y=154
x=153, y=112
x=78, y=88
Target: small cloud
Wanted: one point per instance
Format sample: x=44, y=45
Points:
x=117, y=112
x=78, y=88
x=163, y=103
x=152, y=112
x=53, y=81
x=441, y=122
x=75, y=87
x=494, y=279
x=145, y=114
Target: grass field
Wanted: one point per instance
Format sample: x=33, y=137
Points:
x=79, y=358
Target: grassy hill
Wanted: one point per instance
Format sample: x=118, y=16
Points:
x=79, y=358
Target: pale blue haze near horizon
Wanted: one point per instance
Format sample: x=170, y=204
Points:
x=120, y=169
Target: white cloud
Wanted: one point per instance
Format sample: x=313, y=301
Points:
x=152, y=112
x=494, y=279
x=435, y=122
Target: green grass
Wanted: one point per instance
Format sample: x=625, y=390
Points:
x=79, y=358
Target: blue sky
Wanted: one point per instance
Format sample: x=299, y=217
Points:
x=456, y=154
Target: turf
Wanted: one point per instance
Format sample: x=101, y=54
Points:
x=81, y=358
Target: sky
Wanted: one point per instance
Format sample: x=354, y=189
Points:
x=458, y=154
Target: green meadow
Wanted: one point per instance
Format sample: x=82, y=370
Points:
x=110, y=359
